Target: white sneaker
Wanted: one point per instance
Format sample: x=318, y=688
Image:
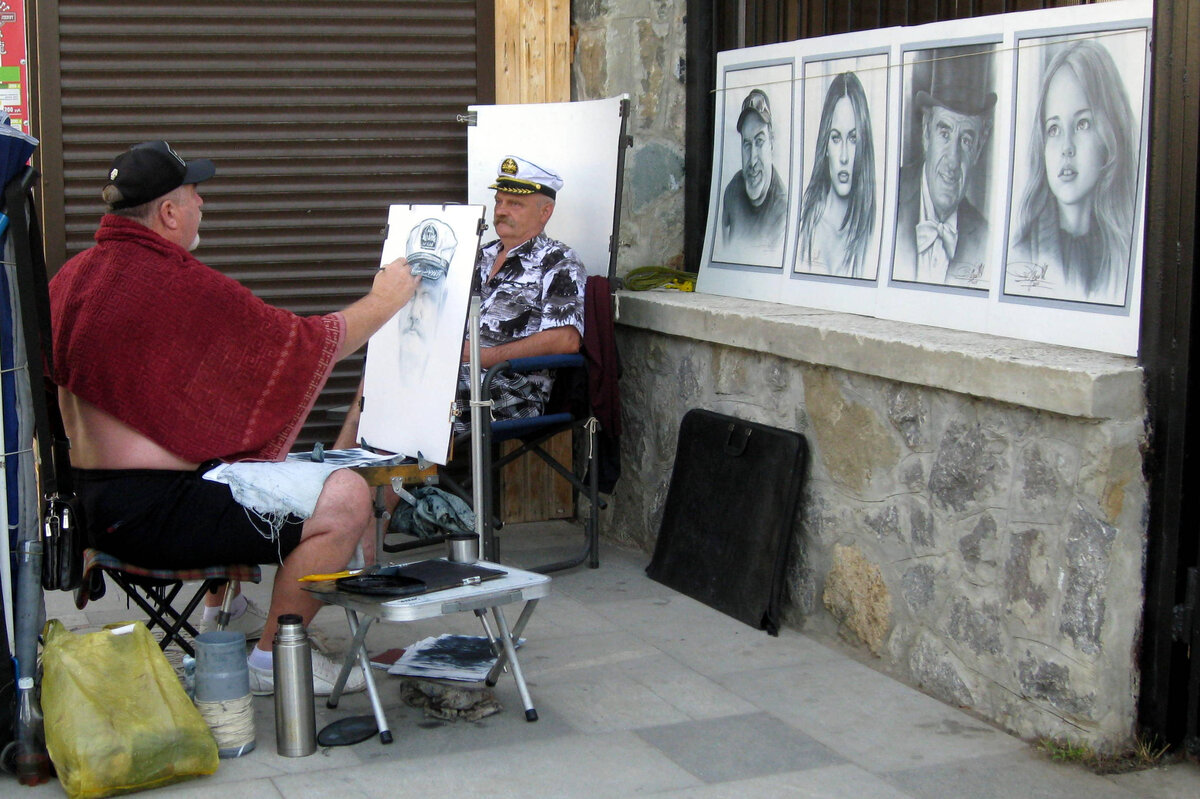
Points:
x=325, y=672
x=251, y=622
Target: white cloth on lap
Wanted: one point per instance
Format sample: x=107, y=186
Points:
x=278, y=491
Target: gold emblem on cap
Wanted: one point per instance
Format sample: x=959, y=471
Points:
x=508, y=166
x=112, y=175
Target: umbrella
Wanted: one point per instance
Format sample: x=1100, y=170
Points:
x=15, y=150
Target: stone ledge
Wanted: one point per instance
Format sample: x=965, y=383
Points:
x=1061, y=380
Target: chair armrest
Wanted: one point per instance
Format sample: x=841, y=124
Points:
x=532, y=364
x=539, y=362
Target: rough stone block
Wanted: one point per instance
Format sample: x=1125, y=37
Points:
x=977, y=627
x=1051, y=682
x=1088, y=543
x=935, y=669
x=1020, y=584
x=858, y=598
x=969, y=468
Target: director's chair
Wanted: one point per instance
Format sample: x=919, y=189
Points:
x=577, y=405
x=585, y=140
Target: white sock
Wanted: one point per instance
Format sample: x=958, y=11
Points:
x=261, y=658
x=236, y=608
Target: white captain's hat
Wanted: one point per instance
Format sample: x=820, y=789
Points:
x=431, y=246
x=518, y=176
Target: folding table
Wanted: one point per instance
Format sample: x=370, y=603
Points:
x=516, y=585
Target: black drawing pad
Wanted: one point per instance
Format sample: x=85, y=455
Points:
x=382, y=585
x=421, y=577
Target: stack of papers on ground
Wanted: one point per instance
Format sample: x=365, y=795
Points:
x=467, y=658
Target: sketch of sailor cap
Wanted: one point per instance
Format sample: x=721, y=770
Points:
x=517, y=176
x=431, y=246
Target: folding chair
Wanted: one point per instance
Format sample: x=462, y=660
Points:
x=155, y=591
x=571, y=408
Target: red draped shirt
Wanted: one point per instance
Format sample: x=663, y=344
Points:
x=186, y=356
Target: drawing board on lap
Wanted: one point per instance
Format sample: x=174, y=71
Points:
x=412, y=364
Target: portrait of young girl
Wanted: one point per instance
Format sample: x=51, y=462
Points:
x=1072, y=230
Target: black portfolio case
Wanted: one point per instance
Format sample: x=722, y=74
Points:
x=729, y=515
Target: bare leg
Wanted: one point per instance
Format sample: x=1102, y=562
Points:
x=348, y=436
x=341, y=520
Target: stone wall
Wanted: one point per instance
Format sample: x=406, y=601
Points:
x=988, y=552
x=974, y=518
x=637, y=47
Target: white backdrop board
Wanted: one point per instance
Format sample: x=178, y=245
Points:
x=580, y=141
x=412, y=361
x=1032, y=270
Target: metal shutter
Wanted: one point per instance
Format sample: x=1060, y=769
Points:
x=318, y=114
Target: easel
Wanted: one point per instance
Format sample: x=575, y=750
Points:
x=397, y=476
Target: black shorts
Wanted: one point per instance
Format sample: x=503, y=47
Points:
x=162, y=519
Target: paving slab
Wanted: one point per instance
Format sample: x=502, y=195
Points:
x=738, y=747
x=1020, y=773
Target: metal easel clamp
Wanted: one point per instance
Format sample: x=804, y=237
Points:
x=485, y=404
x=402, y=492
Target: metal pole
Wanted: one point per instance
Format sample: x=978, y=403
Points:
x=477, y=411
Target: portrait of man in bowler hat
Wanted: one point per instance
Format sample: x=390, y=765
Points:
x=941, y=235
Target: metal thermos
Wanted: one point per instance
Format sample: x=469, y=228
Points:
x=295, y=716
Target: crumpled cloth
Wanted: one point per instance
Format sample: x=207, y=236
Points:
x=182, y=353
x=435, y=513
x=469, y=702
x=277, y=492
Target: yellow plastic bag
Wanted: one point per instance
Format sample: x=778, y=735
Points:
x=117, y=719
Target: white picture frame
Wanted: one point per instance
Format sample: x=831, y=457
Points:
x=989, y=299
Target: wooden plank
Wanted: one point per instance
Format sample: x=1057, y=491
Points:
x=533, y=51
x=533, y=65
x=508, y=38
x=531, y=491
x=558, y=66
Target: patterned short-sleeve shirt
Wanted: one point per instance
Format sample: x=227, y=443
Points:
x=540, y=286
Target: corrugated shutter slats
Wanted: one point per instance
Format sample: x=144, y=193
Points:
x=318, y=114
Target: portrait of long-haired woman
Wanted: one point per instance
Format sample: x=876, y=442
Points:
x=837, y=217
x=1075, y=220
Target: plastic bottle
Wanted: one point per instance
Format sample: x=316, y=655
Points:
x=33, y=764
x=295, y=715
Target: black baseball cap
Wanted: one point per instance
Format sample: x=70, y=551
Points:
x=149, y=170
x=756, y=102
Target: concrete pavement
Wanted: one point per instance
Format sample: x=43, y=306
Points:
x=642, y=691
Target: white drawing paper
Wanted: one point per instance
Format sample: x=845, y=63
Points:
x=411, y=371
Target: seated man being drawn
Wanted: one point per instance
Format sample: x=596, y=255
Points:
x=166, y=367
x=531, y=289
